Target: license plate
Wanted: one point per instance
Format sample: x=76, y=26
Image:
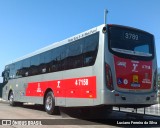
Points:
x=135, y=85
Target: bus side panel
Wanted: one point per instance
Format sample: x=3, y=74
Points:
x=74, y=85
x=78, y=73
x=98, y=71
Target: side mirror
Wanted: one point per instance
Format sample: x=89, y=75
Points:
x=3, y=74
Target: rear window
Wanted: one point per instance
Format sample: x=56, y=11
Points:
x=130, y=42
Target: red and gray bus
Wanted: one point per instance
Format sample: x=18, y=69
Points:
x=109, y=65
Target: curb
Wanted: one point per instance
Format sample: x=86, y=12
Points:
x=2, y=101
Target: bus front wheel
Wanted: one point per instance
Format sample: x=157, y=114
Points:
x=11, y=99
x=50, y=104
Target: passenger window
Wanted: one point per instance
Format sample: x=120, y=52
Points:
x=25, y=67
x=12, y=72
x=42, y=66
x=18, y=69
x=75, y=55
x=55, y=64
x=47, y=60
x=63, y=53
x=33, y=70
x=91, y=49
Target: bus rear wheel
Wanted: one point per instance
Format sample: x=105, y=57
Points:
x=50, y=104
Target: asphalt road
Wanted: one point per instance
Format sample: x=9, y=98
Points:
x=69, y=118
x=21, y=116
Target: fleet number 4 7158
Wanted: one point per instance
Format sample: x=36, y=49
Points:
x=81, y=82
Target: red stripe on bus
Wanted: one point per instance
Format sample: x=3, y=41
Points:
x=84, y=87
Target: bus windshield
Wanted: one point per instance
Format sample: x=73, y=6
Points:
x=131, y=42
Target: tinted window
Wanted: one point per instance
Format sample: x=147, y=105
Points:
x=91, y=49
x=34, y=69
x=55, y=64
x=128, y=42
x=76, y=54
x=45, y=59
x=25, y=67
x=19, y=69
x=63, y=54
x=12, y=72
x=42, y=66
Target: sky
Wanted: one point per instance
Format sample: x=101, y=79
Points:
x=28, y=25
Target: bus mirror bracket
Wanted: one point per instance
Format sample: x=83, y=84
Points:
x=104, y=30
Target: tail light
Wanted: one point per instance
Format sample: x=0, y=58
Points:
x=155, y=81
x=109, y=81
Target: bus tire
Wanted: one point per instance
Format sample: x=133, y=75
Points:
x=11, y=99
x=50, y=104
